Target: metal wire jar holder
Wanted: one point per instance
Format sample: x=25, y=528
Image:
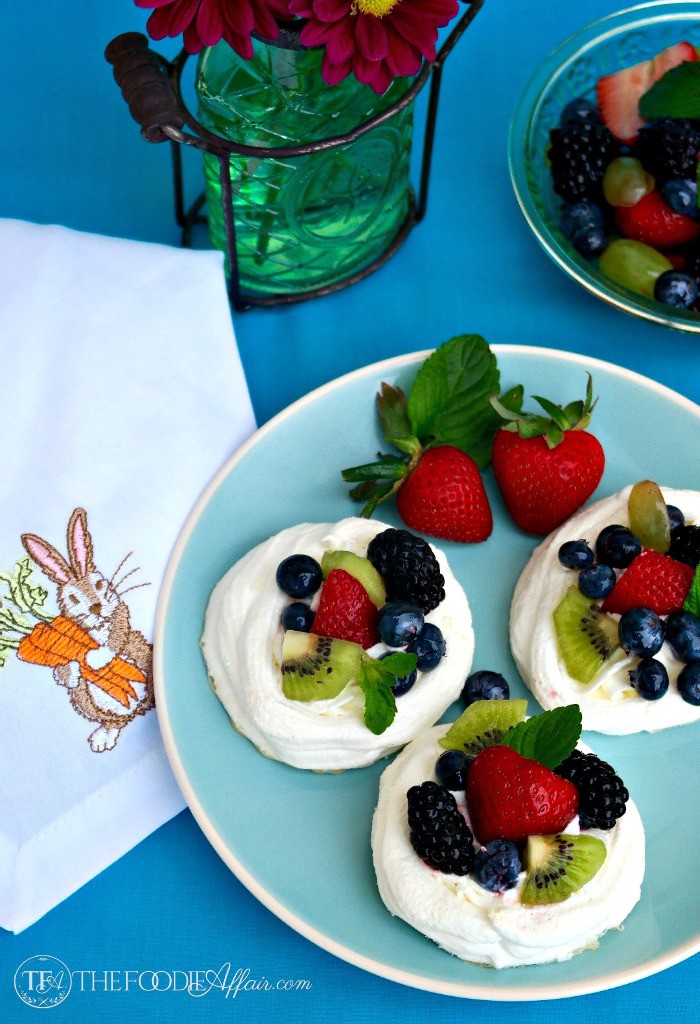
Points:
x=151, y=87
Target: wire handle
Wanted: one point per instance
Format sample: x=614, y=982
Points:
x=143, y=79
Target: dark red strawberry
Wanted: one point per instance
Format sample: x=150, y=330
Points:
x=346, y=611
x=547, y=468
x=653, y=581
x=445, y=497
x=655, y=223
x=511, y=797
x=619, y=94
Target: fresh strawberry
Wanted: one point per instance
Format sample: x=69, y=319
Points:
x=346, y=611
x=653, y=222
x=547, y=468
x=653, y=581
x=445, y=497
x=511, y=797
x=619, y=94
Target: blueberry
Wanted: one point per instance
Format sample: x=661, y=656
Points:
x=650, y=679
x=677, y=289
x=590, y=242
x=298, y=616
x=581, y=216
x=429, y=647
x=681, y=194
x=575, y=554
x=399, y=622
x=579, y=111
x=497, y=865
x=689, y=683
x=299, y=575
x=683, y=634
x=676, y=517
x=596, y=581
x=641, y=632
x=485, y=685
x=452, y=768
x=404, y=683
x=617, y=546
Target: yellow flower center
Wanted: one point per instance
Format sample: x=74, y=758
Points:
x=376, y=7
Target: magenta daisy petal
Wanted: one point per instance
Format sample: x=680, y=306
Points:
x=372, y=40
x=205, y=22
x=330, y=10
x=334, y=73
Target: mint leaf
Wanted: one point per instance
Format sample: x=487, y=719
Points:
x=399, y=664
x=450, y=399
x=380, y=702
x=393, y=411
x=676, y=94
x=548, y=738
x=692, y=601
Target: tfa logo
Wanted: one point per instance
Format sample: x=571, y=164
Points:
x=42, y=982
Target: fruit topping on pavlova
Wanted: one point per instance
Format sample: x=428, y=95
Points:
x=506, y=841
x=607, y=612
x=332, y=645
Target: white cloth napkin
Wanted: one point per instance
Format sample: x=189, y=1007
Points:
x=122, y=394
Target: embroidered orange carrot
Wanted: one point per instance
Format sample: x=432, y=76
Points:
x=62, y=641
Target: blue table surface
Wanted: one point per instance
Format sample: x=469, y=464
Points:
x=71, y=155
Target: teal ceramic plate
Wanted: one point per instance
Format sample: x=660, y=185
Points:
x=301, y=841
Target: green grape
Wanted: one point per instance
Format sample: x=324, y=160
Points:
x=649, y=516
x=634, y=265
x=626, y=182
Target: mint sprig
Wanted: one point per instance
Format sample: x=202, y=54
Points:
x=376, y=679
x=449, y=404
x=548, y=738
x=692, y=601
x=450, y=399
x=676, y=94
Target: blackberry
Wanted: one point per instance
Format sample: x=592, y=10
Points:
x=669, y=147
x=439, y=834
x=578, y=156
x=602, y=794
x=408, y=567
x=685, y=545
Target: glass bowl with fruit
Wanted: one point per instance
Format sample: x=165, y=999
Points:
x=603, y=153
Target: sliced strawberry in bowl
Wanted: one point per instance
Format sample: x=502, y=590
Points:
x=346, y=611
x=652, y=581
x=655, y=223
x=619, y=94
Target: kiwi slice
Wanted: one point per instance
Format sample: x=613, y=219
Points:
x=587, y=637
x=483, y=724
x=649, y=519
x=558, y=866
x=317, y=667
x=359, y=567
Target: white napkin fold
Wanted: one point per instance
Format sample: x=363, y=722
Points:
x=122, y=393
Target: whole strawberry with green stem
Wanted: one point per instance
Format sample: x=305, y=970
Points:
x=443, y=431
x=546, y=467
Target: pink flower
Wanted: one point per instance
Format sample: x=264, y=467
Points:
x=205, y=22
x=373, y=39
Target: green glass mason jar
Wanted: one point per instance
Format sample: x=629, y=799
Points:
x=309, y=221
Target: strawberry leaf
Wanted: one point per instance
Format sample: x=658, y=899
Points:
x=393, y=411
x=450, y=399
x=557, y=414
x=548, y=738
x=692, y=601
x=676, y=94
x=375, y=471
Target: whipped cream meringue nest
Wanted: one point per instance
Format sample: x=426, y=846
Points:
x=609, y=704
x=242, y=646
x=488, y=928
